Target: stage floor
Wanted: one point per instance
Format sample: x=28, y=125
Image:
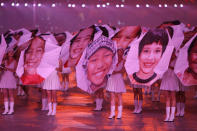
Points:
x=75, y=112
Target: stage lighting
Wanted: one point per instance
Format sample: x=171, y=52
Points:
x=83, y=5
x=2, y=4
x=104, y=5
x=17, y=4
x=34, y=5
x=122, y=5
x=147, y=5
x=107, y=3
x=175, y=5
x=117, y=6
x=98, y=6
x=26, y=4
x=39, y=4
x=137, y=5
x=165, y=5
x=53, y=5
x=69, y=5
x=13, y=4
x=73, y=5
x=160, y=5
x=181, y=5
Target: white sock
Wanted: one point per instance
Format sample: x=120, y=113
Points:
x=119, y=112
x=100, y=104
x=112, y=114
x=50, y=108
x=139, y=110
x=172, y=114
x=135, y=105
x=97, y=104
x=54, y=109
x=6, y=107
x=167, y=113
x=11, y=108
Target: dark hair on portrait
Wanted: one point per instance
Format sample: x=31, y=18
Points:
x=105, y=31
x=20, y=33
x=92, y=36
x=57, y=34
x=170, y=31
x=156, y=35
x=8, y=39
x=137, y=34
x=192, y=45
x=174, y=22
x=34, y=32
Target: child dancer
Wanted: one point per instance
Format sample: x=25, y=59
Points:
x=116, y=87
x=170, y=84
x=8, y=83
x=52, y=84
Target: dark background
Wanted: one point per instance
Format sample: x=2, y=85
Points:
x=62, y=18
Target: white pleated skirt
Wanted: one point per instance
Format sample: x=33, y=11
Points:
x=170, y=81
x=8, y=80
x=116, y=84
x=52, y=82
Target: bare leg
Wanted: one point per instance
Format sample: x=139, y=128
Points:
x=11, y=98
x=49, y=95
x=112, y=114
x=135, y=90
x=54, y=98
x=6, y=102
x=167, y=95
x=119, y=105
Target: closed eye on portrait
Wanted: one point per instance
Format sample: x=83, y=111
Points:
x=93, y=59
x=108, y=54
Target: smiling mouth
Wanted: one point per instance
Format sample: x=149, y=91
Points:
x=148, y=65
x=100, y=73
x=77, y=50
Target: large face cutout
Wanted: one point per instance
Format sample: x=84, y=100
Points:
x=192, y=58
x=149, y=58
x=125, y=36
x=34, y=54
x=80, y=42
x=98, y=65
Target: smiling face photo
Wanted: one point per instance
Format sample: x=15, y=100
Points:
x=189, y=77
x=80, y=42
x=146, y=59
x=97, y=62
x=98, y=65
x=149, y=58
x=126, y=35
x=33, y=55
x=192, y=57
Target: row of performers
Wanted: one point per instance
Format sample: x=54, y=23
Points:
x=99, y=55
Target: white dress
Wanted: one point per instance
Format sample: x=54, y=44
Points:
x=52, y=82
x=115, y=82
x=170, y=81
x=7, y=79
